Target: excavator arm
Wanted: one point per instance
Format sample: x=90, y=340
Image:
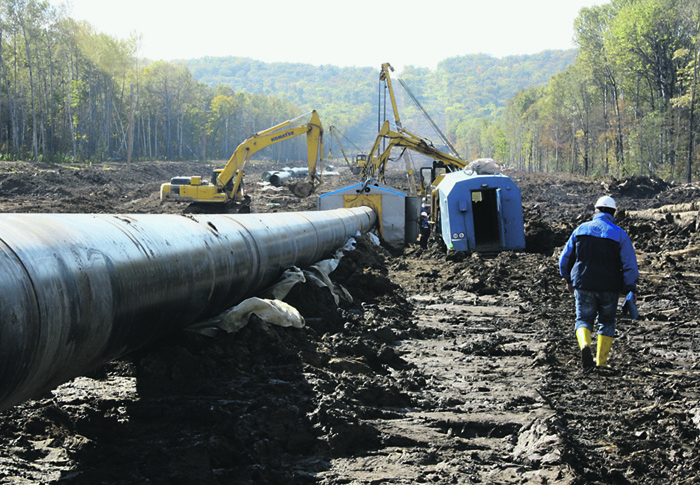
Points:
x=403, y=139
x=232, y=174
x=226, y=186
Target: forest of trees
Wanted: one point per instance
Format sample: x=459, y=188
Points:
x=622, y=103
x=68, y=93
x=625, y=106
x=474, y=86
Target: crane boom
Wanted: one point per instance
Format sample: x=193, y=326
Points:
x=386, y=77
x=354, y=168
x=403, y=139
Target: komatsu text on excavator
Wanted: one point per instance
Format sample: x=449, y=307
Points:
x=225, y=191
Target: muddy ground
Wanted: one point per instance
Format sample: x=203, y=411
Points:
x=444, y=368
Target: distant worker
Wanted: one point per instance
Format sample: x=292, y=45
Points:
x=598, y=262
x=424, y=230
x=424, y=207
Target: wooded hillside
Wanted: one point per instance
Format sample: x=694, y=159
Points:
x=626, y=106
x=461, y=87
x=623, y=103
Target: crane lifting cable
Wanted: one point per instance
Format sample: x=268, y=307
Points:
x=347, y=139
x=453, y=151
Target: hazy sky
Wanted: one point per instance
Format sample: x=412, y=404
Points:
x=338, y=32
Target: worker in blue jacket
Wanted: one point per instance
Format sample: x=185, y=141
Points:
x=598, y=263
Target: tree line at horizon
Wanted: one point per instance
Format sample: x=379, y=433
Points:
x=623, y=103
x=627, y=105
x=71, y=94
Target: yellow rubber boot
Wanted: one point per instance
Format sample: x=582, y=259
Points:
x=583, y=335
x=604, y=344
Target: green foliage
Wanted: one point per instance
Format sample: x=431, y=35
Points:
x=71, y=92
x=627, y=104
x=624, y=102
x=461, y=89
x=342, y=96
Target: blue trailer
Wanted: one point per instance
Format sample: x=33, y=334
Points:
x=480, y=212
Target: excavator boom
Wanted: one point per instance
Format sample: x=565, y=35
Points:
x=313, y=130
x=386, y=77
x=226, y=187
x=403, y=139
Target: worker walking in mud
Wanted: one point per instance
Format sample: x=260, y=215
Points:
x=598, y=262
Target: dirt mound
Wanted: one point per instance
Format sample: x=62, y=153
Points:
x=542, y=236
x=677, y=194
x=637, y=187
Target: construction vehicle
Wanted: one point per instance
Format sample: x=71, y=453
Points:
x=360, y=162
x=472, y=206
x=378, y=157
x=388, y=139
x=225, y=192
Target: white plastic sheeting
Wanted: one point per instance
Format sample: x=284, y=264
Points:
x=275, y=312
x=272, y=309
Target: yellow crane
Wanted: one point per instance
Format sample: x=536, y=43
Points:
x=388, y=139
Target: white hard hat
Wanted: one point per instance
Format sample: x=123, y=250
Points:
x=424, y=214
x=607, y=202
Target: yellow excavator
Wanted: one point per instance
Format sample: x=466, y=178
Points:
x=225, y=191
x=472, y=205
x=402, y=138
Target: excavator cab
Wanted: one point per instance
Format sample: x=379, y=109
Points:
x=430, y=176
x=361, y=160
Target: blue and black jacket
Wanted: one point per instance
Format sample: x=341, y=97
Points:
x=599, y=256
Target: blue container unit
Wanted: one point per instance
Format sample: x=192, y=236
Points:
x=480, y=212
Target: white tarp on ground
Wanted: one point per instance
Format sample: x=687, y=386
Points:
x=272, y=309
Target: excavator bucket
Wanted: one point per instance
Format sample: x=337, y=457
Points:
x=301, y=189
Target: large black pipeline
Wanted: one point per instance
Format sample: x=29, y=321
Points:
x=80, y=290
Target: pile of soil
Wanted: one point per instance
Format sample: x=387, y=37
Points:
x=442, y=368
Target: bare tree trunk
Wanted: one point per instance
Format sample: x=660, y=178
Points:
x=155, y=138
x=606, y=125
x=10, y=101
x=69, y=110
x=130, y=142
x=35, y=143
x=691, y=123
x=619, y=146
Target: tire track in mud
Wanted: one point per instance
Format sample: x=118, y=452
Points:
x=477, y=415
